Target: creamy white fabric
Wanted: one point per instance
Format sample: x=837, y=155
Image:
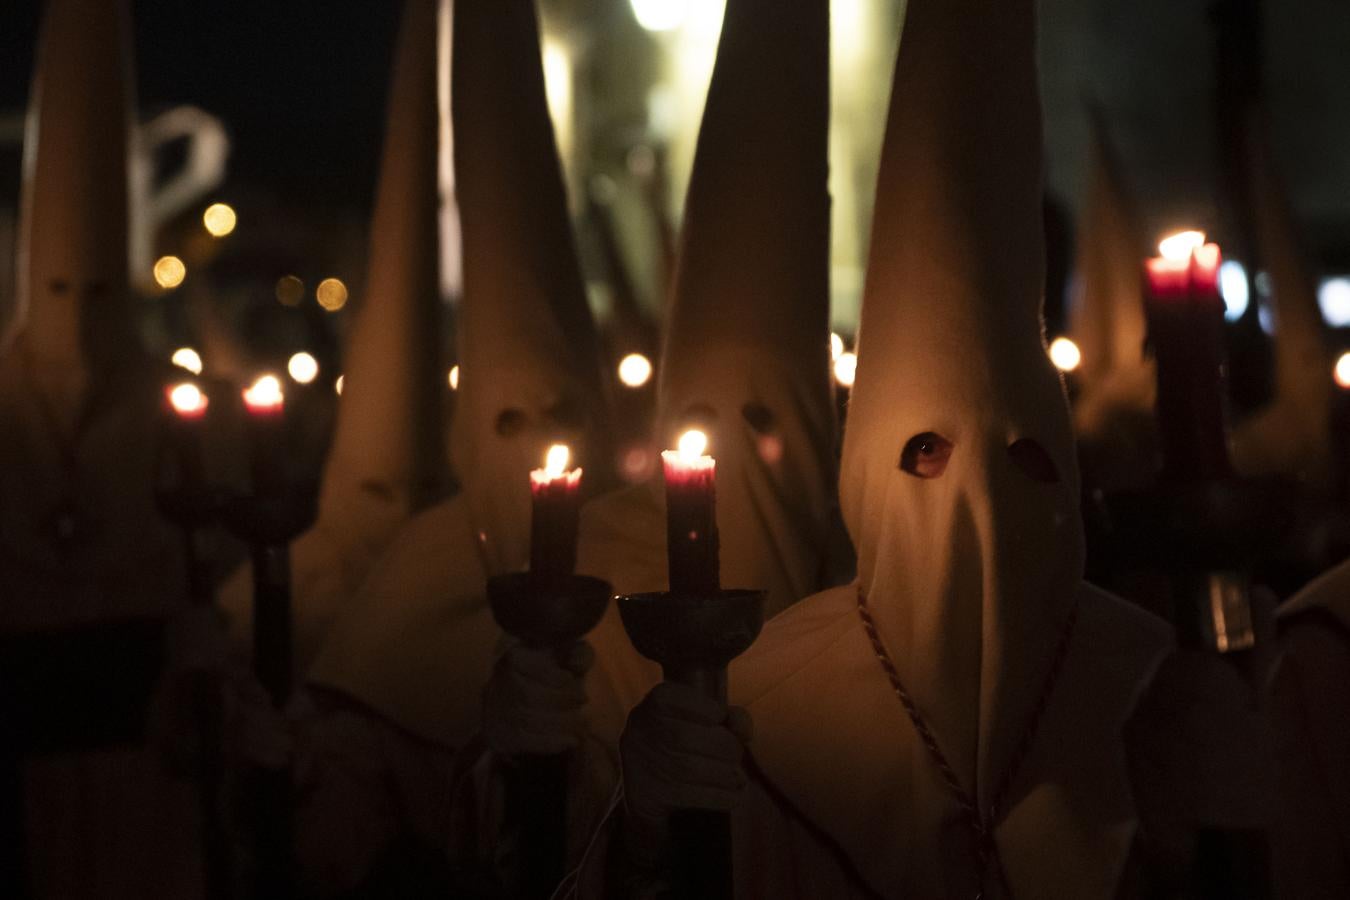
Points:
x=387, y=459
x=973, y=575
x=1291, y=436
x=1117, y=385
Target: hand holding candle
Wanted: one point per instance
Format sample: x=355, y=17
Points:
x=691, y=516
x=556, y=493
x=1185, y=327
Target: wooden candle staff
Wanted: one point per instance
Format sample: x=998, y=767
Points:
x=273, y=514
x=694, y=631
x=548, y=608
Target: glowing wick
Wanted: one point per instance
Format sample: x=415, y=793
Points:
x=265, y=395
x=1065, y=354
x=188, y=400
x=692, y=445
x=1179, y=247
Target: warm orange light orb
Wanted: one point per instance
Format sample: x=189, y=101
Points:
x=337, y=385
x=219, y=219
x=453, y=378
x=1178, y=247
x=187, y=400
x=1342, y=372
x=265, y=394
x=331, y=294
x=187, y=358
x=303, y=367
x=836, y=347
x=635, y=370
x=169, y=272
x=846, y=369
x=692, y=445
x=1065, y=354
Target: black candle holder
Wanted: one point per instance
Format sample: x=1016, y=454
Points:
x=694, y=637
x=551, y=615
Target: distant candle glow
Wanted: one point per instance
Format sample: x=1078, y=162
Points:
x=265, y=394
x=187, y=358
x=1333, y=297
x=453, y=378
x=1342, y=372
x=187, y=400
x=337, y=385
x=219, y=219
x=1234, y=288
x=169, y=272
x=836, y=347
x=331, y=294
x=556, y=507
x=290, y=290
x=635, y=370
x=1065, y=354
x=303, y=367
x=1179, y=247
x=846, y=369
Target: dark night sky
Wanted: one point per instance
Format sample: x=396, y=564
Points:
x=300, y=84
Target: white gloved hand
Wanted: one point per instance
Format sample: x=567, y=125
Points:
x=533, y=703
x=679, y=750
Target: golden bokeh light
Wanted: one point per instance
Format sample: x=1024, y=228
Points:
x=187, y=358
x=290, y=290
x=331, y=294
x=220, y=219
x=337, y=385
x=635, y=370
x=453, y=378
x=846, y=369
x=169, y=272
x=1342, y=372
x=265, y=394
x=303, y=367
x=1065, y=354
x=836, y=347
x=187, y=400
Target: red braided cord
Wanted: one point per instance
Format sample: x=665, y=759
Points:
x=981, y=826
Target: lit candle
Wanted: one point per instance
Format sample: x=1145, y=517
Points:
x=556, y=493
x=691, y=516
x=188, y=403
x=1185, y=328
x=266, y=405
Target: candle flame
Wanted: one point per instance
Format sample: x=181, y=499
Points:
x=1065, y=354
x=187, y=358
x=187, y=399
x=555, y=463
x=265, y=393
x=846, y=369
x=1179, y=247
x=692, y=445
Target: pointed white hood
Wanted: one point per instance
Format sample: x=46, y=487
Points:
x=1291, y=436
x=746, y=352
x=970, y=575
x=1113, y=412
x=388, y=459
x=75, y=320
x=529, y=355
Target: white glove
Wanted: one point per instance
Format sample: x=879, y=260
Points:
x=533, y=703
x=679, y=750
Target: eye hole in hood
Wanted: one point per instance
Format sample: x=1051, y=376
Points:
x=926, y=455
x=1034, y=460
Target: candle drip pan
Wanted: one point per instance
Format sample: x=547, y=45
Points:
x=693, y=633
x=553, y=613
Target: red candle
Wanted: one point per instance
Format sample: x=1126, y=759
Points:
x=556, y=493
x=1185, y=329
x=691, y=516
x=188, y=404
x=266, y=405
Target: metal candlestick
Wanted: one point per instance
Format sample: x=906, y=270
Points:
x=695, y=637
x=548, y=615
